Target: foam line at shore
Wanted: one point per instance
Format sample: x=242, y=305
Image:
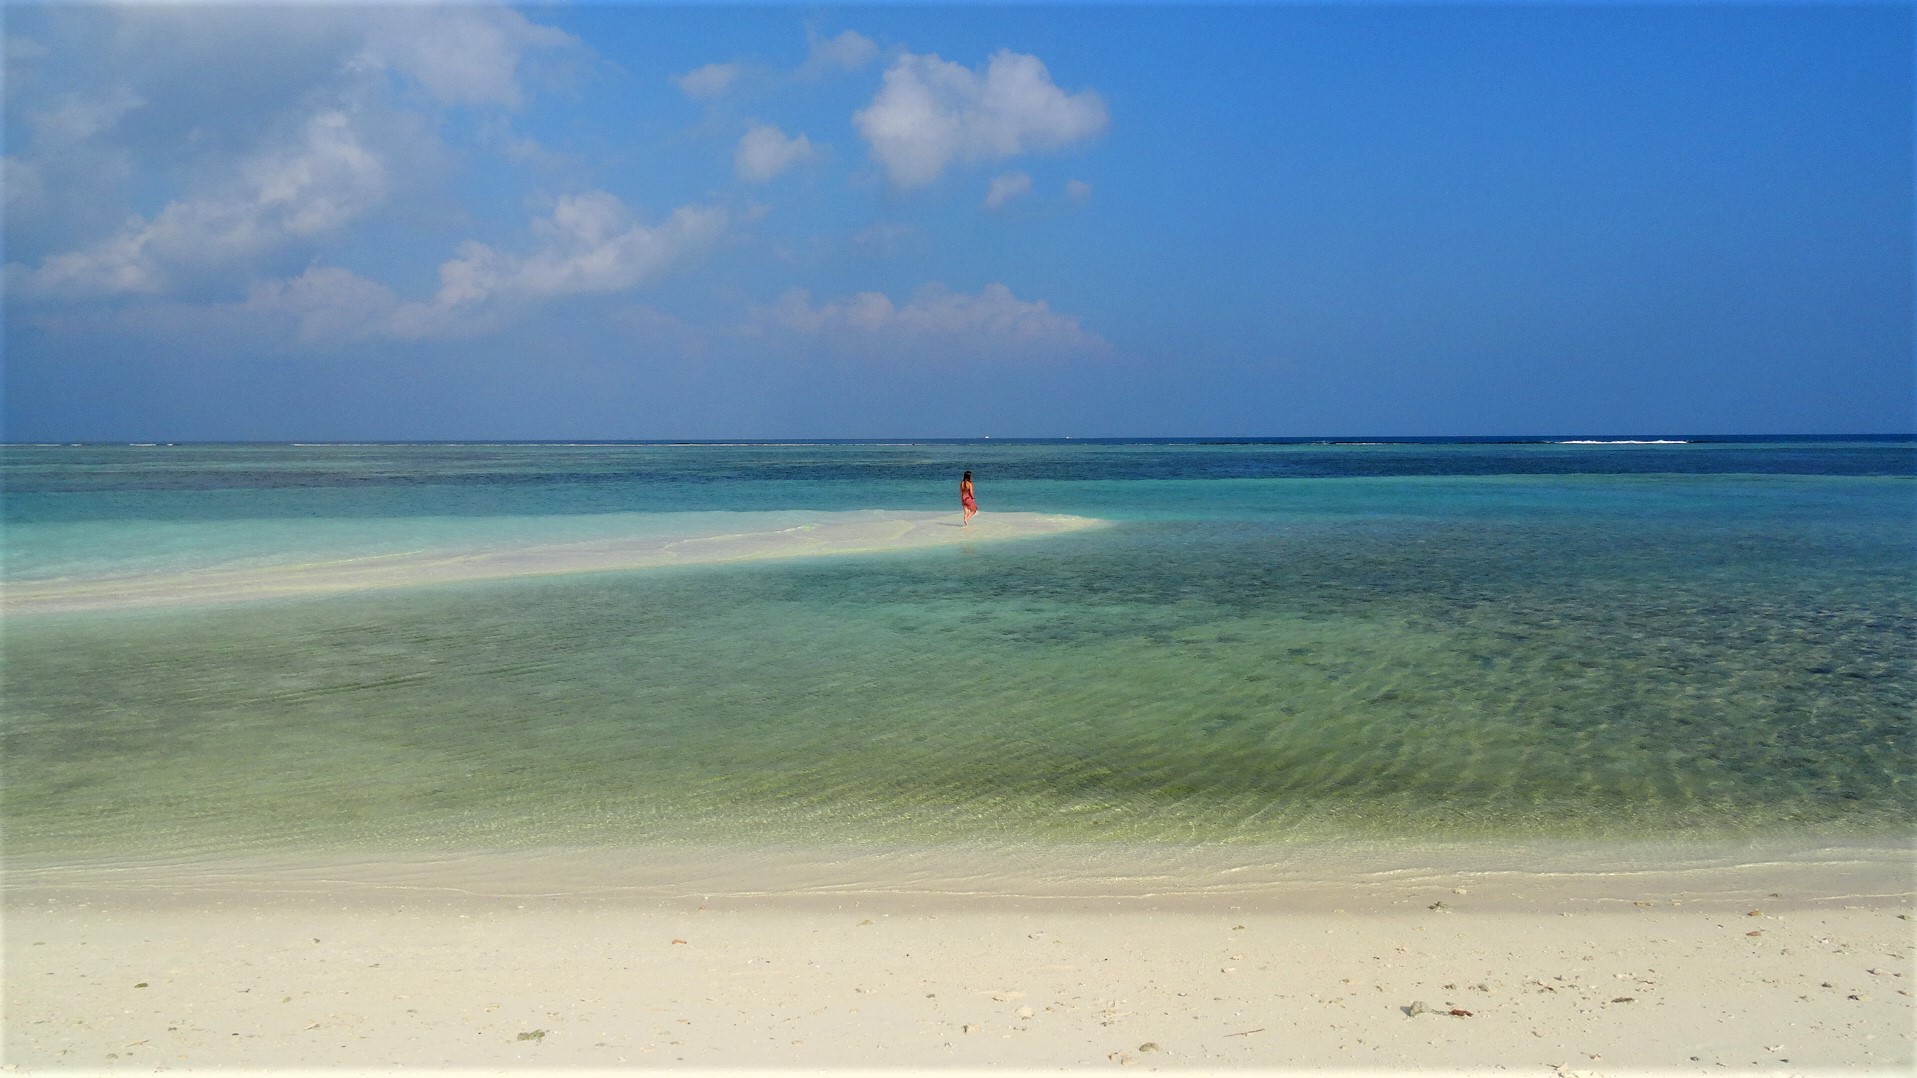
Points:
x=757, y=537
x=1507, y=877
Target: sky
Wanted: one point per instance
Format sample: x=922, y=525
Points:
x=621, y=221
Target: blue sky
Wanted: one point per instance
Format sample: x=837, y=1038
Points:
x=293, y=222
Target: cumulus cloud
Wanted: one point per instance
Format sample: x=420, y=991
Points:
x=993, y=322
x=21, y=185
x=1006, y=188
x=885, y=239
x=765, y=151
x=462, y=55
x=287, y=124
x=313, y=186
x=17, y=50
x=711, y=80
x=77, y=117
x=931, y=112
x=66, y=157
x=591, y=243
x=328, y=305
x=849, y=51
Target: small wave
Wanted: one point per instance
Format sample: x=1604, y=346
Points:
x=1625, y=441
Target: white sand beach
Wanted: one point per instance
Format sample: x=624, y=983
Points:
x=791, y=535
x=516, y=962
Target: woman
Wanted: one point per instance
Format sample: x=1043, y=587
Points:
x=966, y=501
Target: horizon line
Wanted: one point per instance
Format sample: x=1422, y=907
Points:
x=1341, y=439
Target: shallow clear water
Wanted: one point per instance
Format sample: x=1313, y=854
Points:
x=1269, y=644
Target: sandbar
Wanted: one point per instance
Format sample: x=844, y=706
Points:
x=756, y=537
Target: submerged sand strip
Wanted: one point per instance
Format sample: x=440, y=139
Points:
x=816, y=534
x=1764, y=972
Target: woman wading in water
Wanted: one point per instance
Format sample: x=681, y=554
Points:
x=968, y=503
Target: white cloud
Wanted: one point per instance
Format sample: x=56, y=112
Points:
x=887, y=238
x=591, y=243
x=1006, y=188
x=18, y=50
x=462, y=55
x=329, y=305
x=764, y=152
x=1078, y=190
x=68, y=157
x=497, y=133
x=992, y=323
x=21, y=185
x=75, y=118
x=708, y=81
x=849, y=51
x=282, y=120
x=326, y=181
x=313, y=186
x=930, y=112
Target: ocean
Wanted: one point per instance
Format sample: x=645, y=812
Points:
x=1265, y=644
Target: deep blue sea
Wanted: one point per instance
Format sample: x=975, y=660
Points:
x=1268, y=643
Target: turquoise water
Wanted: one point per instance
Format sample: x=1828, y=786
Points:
x=1268, y=644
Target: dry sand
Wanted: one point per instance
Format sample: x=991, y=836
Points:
x=805, y=535
x=1768, y=966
